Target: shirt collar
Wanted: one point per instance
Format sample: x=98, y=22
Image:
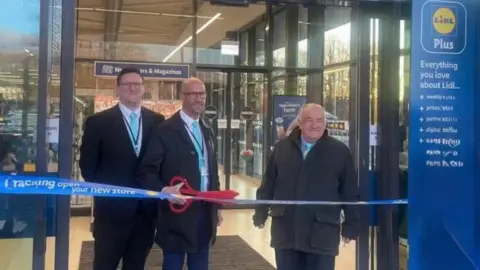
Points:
x=127, y=112
x=305, y=143
x=187, y=119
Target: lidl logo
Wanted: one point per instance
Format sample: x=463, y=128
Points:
x=444, y=21
x=443, y=26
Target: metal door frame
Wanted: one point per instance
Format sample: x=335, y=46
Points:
x=65, y=163
x=231, y=72
x=377, y=246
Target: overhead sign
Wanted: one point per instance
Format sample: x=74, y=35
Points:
x=247, y=113
x=210, y=112
x=148, y=70
x=229, y=47
x=443, y=198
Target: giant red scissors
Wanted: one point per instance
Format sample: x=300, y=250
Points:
x=210, y=196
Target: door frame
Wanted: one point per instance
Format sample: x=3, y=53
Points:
x=378, y=243
x=231, y=72
x=65, y=152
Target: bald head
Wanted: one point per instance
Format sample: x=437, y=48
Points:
x=193, y=97
x=312, y=122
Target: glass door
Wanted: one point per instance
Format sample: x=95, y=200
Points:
x=389, y=50
x=235, y=111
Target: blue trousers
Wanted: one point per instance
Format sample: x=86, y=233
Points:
x=198, y=260
x=195, y=261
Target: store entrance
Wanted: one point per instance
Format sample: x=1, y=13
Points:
x=236, y=110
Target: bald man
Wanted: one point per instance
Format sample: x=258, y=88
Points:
x=309, y=165
x=183, y=146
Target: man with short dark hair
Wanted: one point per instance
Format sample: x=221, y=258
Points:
x=309, y=165
x=113, y=144
x=183, y=146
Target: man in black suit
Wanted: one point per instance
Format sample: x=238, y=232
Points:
x=183, y=146
x=113, y=143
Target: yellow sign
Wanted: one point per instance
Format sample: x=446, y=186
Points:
x=444, y=21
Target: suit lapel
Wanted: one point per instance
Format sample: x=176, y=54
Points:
x=180, y=127
x=147, y=121
x=207, y=138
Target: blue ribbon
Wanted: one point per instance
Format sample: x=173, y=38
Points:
x=35, y=185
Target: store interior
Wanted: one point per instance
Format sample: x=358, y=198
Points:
x=161, y=32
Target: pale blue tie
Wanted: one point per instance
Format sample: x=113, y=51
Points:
x=197, y=135
x=306, y=149
x=134, y=131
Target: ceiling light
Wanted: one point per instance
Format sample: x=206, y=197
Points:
x=190, y=37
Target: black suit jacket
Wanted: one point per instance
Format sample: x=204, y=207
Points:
x=107, y=157
x=172, y=153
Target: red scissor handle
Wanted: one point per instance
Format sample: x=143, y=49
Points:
x=186, y=189
x=209, y=196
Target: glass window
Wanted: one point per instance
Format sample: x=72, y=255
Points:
x=337, y=35
x=19, y=48
x=336, y=76
x=218, y=26
x=404, y=73
x=156, y=32
x=260, y=44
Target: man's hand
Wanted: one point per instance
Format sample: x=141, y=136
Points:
x=346, y=241
x=176, y=191
x=259, y=220
x=220, y=218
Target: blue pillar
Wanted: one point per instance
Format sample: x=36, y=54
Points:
x=444, y=226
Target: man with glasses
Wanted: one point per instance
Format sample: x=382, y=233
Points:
x=113, y=143
x=183, y=146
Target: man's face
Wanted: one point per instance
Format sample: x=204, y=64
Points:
x=312, y=123
x=130, y=88
x=194, y=96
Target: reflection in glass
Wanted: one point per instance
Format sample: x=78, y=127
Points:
x=404, y=80
x=213, y=34
x=154, y=32
x=18, y=121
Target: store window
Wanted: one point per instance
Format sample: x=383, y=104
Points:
x=404, y=80
x=218, y=29
x=336, y=76
x=19, y=50
x=139, y=32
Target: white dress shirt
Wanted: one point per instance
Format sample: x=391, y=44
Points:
x=126, y=112
x=188, y=125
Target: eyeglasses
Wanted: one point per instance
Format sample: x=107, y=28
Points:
x=196, y=94
x=131, y=85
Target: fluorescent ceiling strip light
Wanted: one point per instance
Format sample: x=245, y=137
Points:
x=190, y=37
x=142, y=13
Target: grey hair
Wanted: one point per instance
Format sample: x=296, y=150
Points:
x=296, y=122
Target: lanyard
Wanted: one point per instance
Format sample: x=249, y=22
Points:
x=130, y=131
x=197, y=143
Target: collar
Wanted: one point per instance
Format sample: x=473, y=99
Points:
x=304, y=142
x=127, y=112
x=187, y=119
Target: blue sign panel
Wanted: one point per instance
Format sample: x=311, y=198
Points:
x=148, y=70
x=442, y=144
x=445, y=32
x=285, y=110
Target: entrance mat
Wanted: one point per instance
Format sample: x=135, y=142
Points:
x=228, y=253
